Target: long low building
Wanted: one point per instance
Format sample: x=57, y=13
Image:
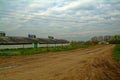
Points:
x=24, y=42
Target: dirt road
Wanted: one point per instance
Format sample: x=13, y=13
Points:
x=93, y=63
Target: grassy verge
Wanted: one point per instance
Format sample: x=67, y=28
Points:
x=29, y=51
x=116, y=54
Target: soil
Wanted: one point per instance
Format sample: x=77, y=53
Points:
x=94, y=63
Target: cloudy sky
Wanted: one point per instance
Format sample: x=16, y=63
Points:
x=66, y=19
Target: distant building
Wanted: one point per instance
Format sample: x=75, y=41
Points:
x=31, y=36
x=2, y=34
x=103, y=42
x=106, y=38
x=94, y=38
x=50, y=37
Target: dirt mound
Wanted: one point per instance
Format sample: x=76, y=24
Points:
x=94, y=63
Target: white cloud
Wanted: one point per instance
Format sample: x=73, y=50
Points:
x=71, y=5
x=67, y=7
x=34, y=5
x=62, y=18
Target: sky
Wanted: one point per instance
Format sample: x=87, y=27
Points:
x=64, y=19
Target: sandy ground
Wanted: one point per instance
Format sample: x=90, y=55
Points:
x=94, y=63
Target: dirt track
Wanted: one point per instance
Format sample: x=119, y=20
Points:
x=93, y=63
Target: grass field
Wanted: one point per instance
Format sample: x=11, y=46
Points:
x=117, y=52
x=93, y=63
x=28, y=51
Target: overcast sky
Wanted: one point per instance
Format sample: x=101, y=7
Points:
x=66, y=19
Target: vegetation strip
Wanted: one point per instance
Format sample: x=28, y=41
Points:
x=28, y=51
x=116, y=54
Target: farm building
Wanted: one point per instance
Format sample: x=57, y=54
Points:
x=2, y=34
x=103, y=42
x=24, y=42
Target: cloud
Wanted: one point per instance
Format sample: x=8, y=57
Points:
x=67, y=7
x=69, y=19
x=34, y=5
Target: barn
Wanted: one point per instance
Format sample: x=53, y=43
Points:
x=24, y=42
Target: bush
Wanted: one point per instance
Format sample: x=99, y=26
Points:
x=114, y=41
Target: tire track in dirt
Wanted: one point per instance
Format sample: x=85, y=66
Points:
x=94, y=63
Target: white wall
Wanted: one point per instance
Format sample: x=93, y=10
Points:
x=52, y=45
x=16, y=46
x=30, y=46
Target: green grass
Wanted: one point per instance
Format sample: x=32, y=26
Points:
x=116, y=54
x=30, y=51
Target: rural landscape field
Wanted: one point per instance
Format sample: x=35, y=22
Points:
x=93, y=63
x=59, y=39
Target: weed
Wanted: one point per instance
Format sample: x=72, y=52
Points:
x=117, y=52
x=29, y=51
